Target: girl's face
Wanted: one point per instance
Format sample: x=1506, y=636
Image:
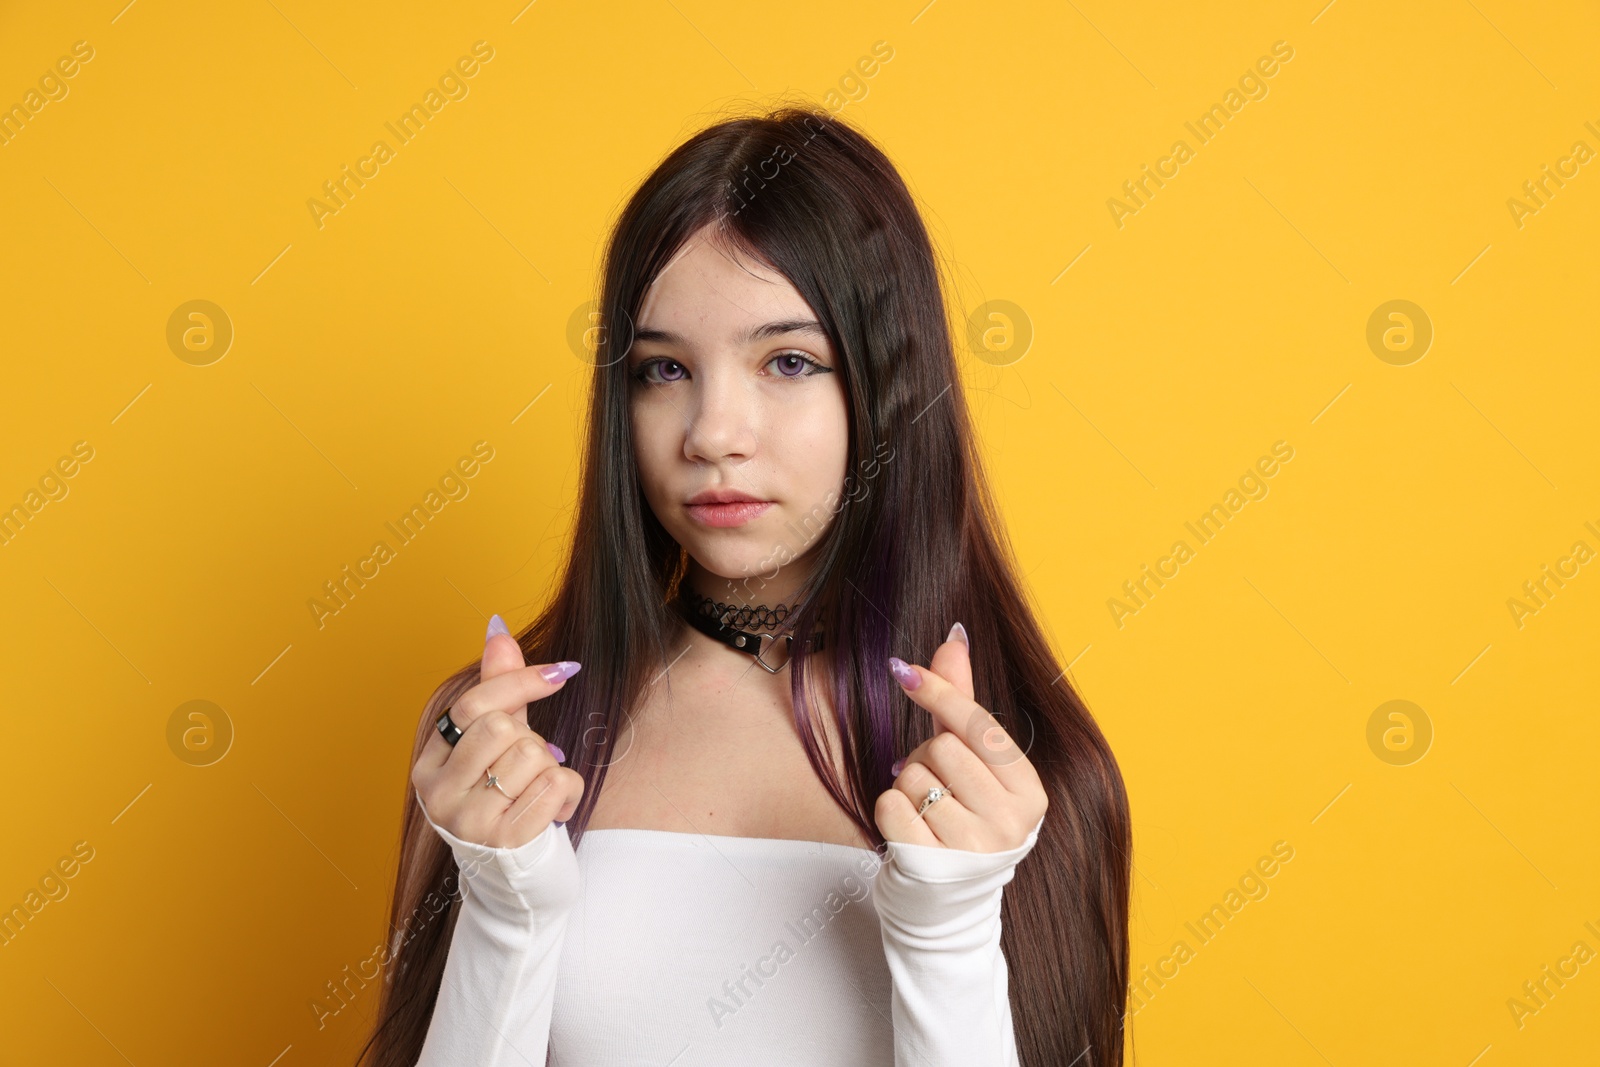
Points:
x=736, y=392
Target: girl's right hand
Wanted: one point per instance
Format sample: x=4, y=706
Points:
x=453, y=782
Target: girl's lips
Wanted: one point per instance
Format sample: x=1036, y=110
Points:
x=735, y=513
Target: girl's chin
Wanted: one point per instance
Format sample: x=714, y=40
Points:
x=748, y=569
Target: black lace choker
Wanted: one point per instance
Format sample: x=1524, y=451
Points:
x=738, y=626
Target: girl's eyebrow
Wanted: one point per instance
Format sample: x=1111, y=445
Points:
x=755, y=333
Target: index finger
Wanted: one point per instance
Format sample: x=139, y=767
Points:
x=504, y=695
x=508, y=692
x=975, y=725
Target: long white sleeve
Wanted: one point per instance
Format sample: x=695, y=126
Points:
x=495, y=1002
x=939, y=911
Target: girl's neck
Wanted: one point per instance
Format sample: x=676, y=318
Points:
x=758, y=604
x=766, y=617
x=755, y=618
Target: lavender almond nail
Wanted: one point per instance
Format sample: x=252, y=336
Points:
x=497, y=625
x=558, y=671
x=555, y=750
x=903, y=673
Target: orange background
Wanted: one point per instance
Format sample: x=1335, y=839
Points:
x=1127, y=377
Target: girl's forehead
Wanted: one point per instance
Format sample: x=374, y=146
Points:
x=705, y=262
x=712, y=298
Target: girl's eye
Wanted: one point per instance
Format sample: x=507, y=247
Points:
x=796, y=365
x=789, y=365
x=672, y=370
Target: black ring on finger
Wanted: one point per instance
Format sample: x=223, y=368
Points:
x=448, y=728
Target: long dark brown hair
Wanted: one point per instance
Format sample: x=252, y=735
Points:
x=916, y=545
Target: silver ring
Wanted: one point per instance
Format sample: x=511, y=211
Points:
x=936, y=794
x=494, y=781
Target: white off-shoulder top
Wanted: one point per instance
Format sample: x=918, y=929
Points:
x=693, y=950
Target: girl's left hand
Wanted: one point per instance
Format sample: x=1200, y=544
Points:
x=995, y=797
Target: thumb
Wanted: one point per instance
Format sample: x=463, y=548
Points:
x=501, y=651
x=952, y=661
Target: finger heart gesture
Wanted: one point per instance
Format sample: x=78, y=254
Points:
x=990, y=795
